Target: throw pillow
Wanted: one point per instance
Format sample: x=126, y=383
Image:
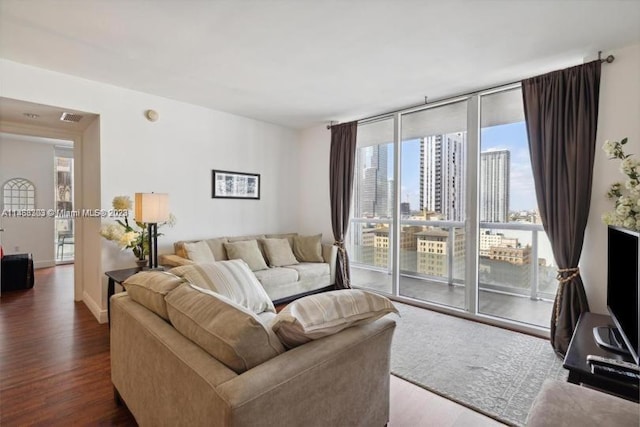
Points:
x=230, y=333
x=199, y=252
x=233, y=279
x=248, y=251
x=278, y=252
x=308, y=248
x=148, y=288
x=321, y=315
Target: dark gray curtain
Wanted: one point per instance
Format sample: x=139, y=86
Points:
x=341, y=163
x=561, y=112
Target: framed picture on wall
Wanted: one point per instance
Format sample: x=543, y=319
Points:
x=235, y=185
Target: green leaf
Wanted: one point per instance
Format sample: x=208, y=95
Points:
x=624, y=141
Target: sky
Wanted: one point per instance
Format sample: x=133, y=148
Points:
x=512, y=137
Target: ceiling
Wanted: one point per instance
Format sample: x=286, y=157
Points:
x=28, y=113
x=299, y=63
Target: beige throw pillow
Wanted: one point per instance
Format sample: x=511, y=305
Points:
x=199, y=252
x=148, y=288
x=308, y=248
x=230, y=333
x=233, y=279
x=321, y=315
x=248, y=251
x=278, y=252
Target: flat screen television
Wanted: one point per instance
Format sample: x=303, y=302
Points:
x=623, y=296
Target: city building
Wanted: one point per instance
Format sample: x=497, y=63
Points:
x=512, y=255
x=494, y=186
x=489, y=240
x=371, y=190
x=432, y=251
x=442, y=177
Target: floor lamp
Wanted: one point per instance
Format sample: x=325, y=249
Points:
x=152, y=208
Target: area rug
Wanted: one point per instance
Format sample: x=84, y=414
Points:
x=490, y=370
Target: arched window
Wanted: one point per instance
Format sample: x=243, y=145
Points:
x=18, y=193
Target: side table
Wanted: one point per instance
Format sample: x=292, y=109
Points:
x=583, y=344
x=117, y=276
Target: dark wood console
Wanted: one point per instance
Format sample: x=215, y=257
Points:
x=582, y=344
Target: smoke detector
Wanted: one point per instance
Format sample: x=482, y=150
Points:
x=71, y=117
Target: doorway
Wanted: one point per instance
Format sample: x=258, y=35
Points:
x=67, y=131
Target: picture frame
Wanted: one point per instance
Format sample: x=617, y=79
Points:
x=235, y=185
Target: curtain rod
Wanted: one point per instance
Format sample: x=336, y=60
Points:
x=609, y=59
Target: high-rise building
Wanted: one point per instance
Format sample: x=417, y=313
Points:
x=371, y=198
x=494, y=186
x=442, y=175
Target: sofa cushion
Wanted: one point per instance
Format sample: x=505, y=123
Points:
x=248, y=251
x=199, y=252
x=288, y=236
x=148, y=288
x=308, y=248
x=233, y=279
x=232, y=334
x=311, y=270
x=277, y=276
x=561, y=403
x=316, y=316
x=278, y=252
x=217, y=248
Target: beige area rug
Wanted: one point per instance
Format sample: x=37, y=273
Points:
x=490, y=370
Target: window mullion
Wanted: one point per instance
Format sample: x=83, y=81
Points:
x=471, y=221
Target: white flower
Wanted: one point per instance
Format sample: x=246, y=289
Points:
x=623, y=210
x=631, y=184
x=111, y=232
x=122, y=203
x=624, y=200
x=127, y=239
x=609, y=147
x=628, y=166
x=630, y=223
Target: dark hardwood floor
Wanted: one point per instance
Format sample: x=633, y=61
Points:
x=54, y=358
x=55, y=367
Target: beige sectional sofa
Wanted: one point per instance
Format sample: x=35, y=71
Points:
x=181, y=355
x=282, y=283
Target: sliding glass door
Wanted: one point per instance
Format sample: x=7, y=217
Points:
x=444, y=210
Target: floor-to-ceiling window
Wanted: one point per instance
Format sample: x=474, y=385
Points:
x=516, y=266
x=432, y=204
x=445, y=210
x=371, y=229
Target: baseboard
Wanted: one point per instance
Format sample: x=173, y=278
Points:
x=94, y=308
x=44, y=264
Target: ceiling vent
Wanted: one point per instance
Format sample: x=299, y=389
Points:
x=71, y=117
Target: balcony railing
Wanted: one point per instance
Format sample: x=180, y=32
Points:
x=371, y=242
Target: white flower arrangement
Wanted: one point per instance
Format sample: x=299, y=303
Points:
x=130, y=236
x=626, y=196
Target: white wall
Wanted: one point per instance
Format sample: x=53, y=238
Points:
x=315, y=209
x=619, y=116
x=173, y=155
x=32, y=160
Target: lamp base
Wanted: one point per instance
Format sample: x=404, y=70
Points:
x=147, y=268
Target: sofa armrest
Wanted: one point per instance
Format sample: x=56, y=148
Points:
x=342, y=379
x=158, y=372
x=173, y=260
x=330, y=254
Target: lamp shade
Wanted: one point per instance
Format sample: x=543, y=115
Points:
x=152, y=207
